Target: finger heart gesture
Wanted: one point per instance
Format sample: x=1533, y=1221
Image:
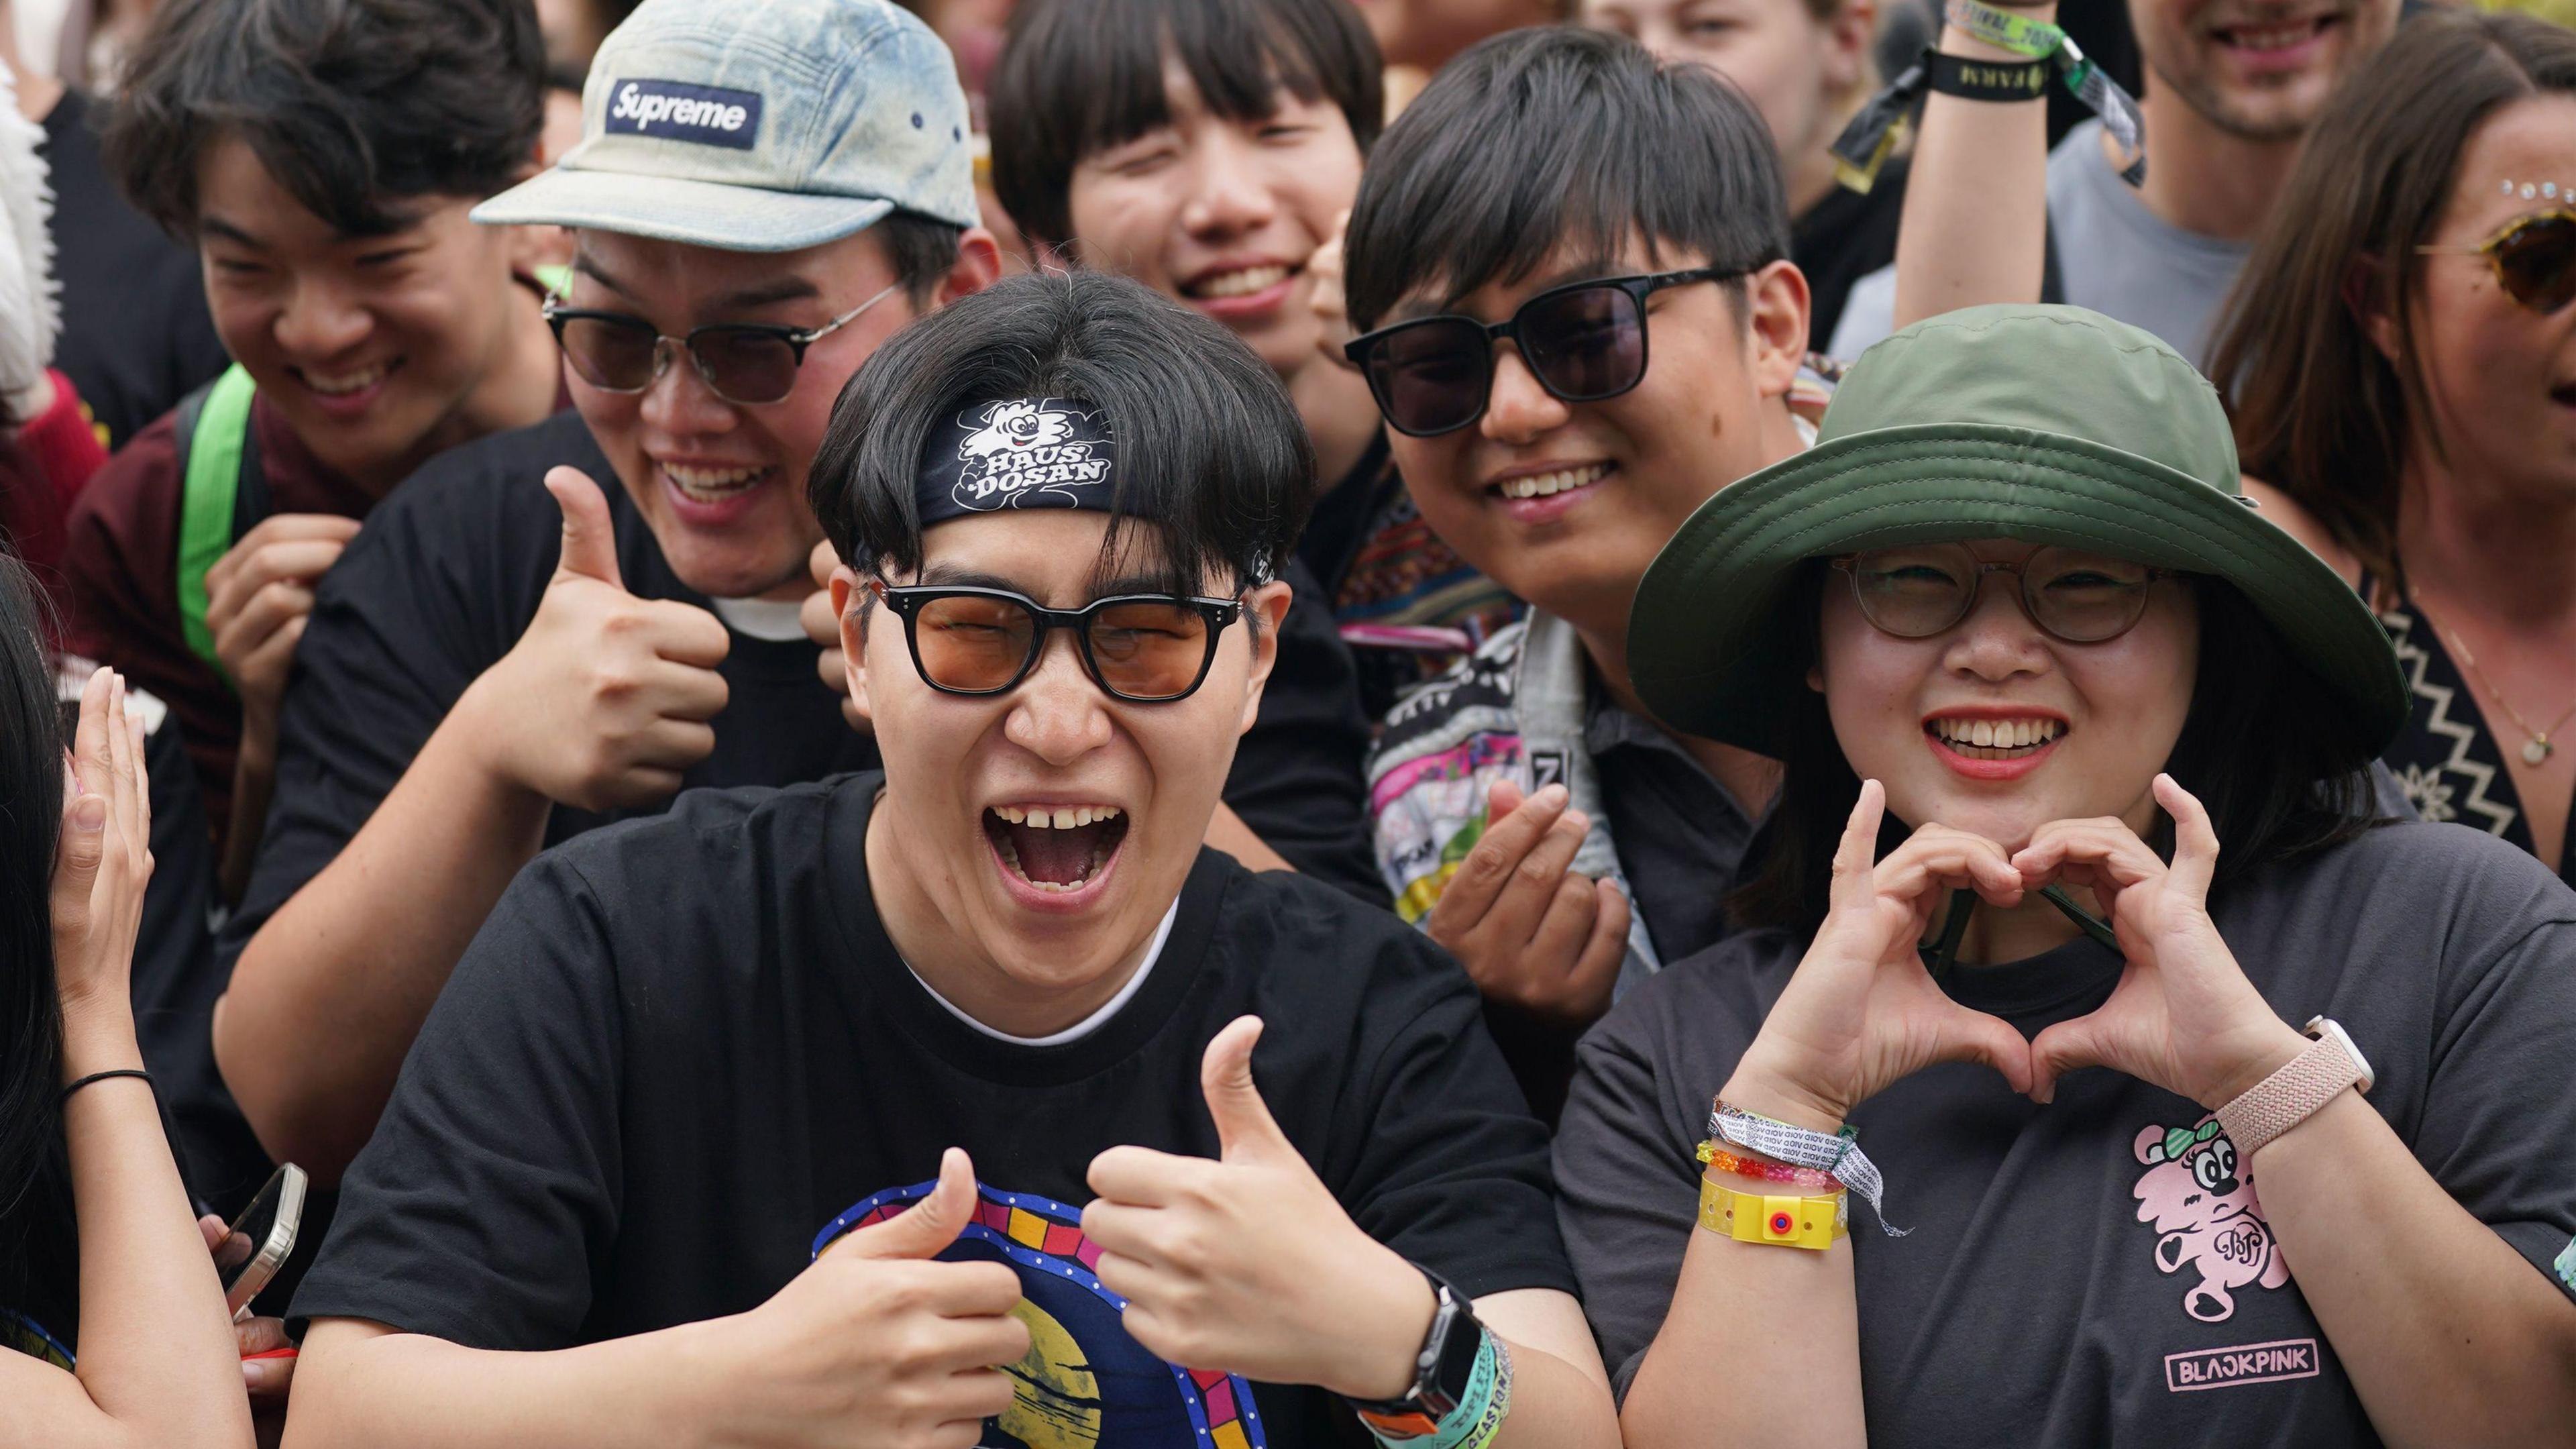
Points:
x=2183, y=1015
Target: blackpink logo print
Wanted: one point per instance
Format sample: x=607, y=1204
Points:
x=2202, y=1205
x=1023, y=453
x=1085, y=1382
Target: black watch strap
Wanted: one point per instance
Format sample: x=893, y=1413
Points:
x=1987, y=80
x=1446, y=1362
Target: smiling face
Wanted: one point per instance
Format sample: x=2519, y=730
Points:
x=374, y=347
x=1997, y=728
x=1564, y=503
x=2257, y=69
x=1046, y=829
x=1223, y=214
x=2501, y=377
x=723, y=485
x=1796, y=69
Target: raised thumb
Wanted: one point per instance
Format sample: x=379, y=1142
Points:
x=1243, y=1122
x=589, y=543
x=928, y=1226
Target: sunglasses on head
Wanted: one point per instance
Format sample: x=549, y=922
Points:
x=1584, y=341
x=2533, y=257
x=1141, y=648
x=746, y=363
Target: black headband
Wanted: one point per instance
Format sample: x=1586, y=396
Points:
x=1022, y=453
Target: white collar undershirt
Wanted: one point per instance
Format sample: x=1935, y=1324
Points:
x=1089, y=1024
x=771, y=619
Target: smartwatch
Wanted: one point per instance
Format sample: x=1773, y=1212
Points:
x=1441, y=1371
x=2293, y=1094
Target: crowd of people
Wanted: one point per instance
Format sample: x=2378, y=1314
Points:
x=1673, y=613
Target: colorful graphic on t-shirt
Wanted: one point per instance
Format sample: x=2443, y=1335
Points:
x=1085, y=1382
x=2208, y=1220
x=27, y=1336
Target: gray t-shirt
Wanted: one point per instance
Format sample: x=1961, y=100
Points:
x=2113, y=255
x=2078, y=1274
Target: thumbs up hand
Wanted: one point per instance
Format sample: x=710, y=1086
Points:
x=877, y=1343
x=605, y=699
x=1248, y=1263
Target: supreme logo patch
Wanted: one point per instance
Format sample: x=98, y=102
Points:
x=2255, y=1363
x=677, y=111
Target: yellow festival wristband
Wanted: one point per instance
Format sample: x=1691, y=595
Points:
x=1783, y=1221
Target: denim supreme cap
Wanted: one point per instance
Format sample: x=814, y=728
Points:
x=759, y=126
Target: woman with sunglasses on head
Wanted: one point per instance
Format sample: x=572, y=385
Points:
x=107, y=1296
x=2001, y=1124
x=2400, y=358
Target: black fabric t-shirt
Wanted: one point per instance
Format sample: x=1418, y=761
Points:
x=2100, y=1270
x=1843, y=238
x=136, y=333
x=681, y=1047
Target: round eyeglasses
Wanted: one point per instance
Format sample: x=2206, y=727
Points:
x=1922, y=590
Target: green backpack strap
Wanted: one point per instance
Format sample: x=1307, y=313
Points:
x=213, y=428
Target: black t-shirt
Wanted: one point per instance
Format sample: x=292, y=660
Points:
x=2100, y=1270
x=682, y=1047
x=1843, y=238
x=449, y=572
x=136, y=333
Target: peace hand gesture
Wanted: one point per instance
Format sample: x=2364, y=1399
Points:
x=1861, y=1012
x=2183, y=1016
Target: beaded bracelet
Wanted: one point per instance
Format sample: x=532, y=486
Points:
x=1807, y=1177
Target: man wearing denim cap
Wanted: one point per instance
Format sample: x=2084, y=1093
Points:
x=763, y=193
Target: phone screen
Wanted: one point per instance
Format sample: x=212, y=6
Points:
x=261, y=1237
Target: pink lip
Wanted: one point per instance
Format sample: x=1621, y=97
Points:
x=349, y=404
x=728, y=510
x=1049, y=903
x=1535, y=511
x=1251, y=306
x=2299, y=57
x=1989, y=770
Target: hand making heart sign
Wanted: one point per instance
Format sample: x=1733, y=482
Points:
x=1861, y=1012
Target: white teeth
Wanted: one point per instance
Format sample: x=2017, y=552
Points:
x=706, y=483
x=1242, y=283
x=1981, y=734
x=342, y=384
x=1055, y=817
x=1540, y=485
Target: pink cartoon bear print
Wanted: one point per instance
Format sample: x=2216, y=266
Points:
x=2206, y=1215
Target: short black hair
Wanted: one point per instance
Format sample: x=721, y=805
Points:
x=2267, y=748
x=355, y=106
x=1554, y=138
x=923, y=251
x=1212, y=456
x=1077, y=77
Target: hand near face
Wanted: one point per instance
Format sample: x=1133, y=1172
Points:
x=1861, y=1012
x=823, y=625
x=1324, y=270
x=1532, y=931
x=877, y=1343
x=1248, y=1264
x=605, y=700
x=258, y=596
x=2183, y=1016
x=104, y=859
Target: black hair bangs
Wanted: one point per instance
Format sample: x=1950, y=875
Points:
x=1556, y=144
x=1078, y=77
x=1215, y=474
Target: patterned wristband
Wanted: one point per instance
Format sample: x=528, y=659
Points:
x=1807, y=1177
x=2004, y=29
x=1837, y=1153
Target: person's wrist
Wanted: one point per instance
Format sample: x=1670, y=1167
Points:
x=98, y=1034
x=477, y=730
x=1384, y=1328
x=1769, y=1093
x=2264, y=1052
x=1955, y=41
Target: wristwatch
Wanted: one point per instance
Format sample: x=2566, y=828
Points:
x=1441, y=1371
x=2291, y=1095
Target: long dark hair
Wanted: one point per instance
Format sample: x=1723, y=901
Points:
x=2319, y=412
x=2267, y=747
x=37, y=1254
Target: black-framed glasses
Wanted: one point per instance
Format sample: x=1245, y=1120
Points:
x=1584, y=341
x=746, y=363
x=1141, y=648
x=1919, y=591
x=2533, y=257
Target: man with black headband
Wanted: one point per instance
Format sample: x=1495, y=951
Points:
x=922, y=1107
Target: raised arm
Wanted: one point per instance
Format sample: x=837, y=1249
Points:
x=156, y=1360
x=1976, y=200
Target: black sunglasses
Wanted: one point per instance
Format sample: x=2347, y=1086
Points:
x=1584, y=341
x=2533, y=257
x=1141, y=648
x=746, y=363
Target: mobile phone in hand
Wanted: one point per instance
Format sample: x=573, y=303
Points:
x=258, y=1242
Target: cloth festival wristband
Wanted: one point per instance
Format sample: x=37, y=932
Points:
x=2004, y=29
x=1478, y=1417
x=1836, y=1153
x=1986, y=80
x=1874, y=132
x=1712, y=1155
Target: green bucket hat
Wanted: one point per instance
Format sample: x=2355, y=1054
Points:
x=2053, y=425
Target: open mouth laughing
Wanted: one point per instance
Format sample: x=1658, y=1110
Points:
x=1993, y=746
x=1245, y=288
x=349, y=391
x=1537, y=494
x=1055, y=849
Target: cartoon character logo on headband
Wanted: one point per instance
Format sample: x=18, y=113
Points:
x=1041, y=452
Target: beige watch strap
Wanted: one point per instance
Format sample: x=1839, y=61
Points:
x=2289, y=1096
